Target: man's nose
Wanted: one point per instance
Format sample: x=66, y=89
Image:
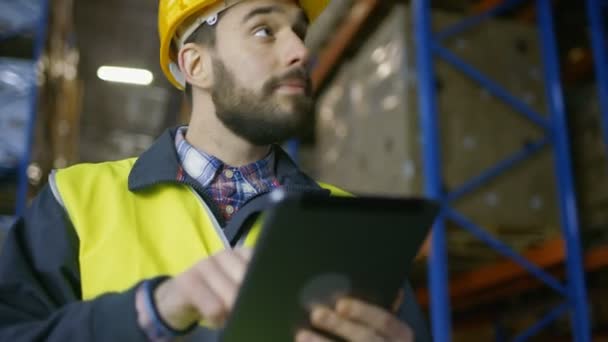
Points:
x=297, y=54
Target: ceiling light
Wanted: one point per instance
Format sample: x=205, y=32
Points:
x=125, y=75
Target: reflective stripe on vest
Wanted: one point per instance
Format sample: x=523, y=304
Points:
x=125, y=237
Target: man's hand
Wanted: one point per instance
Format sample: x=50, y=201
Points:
x=354, y=320
x=205, y=291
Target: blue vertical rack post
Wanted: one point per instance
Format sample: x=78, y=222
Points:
x=438, y=278
x=38, y=27
x=596, y=10
x=428, y=44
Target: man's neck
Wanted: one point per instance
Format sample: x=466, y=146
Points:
x=208, y=134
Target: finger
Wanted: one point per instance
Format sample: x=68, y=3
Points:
x=233, y=266
x=203, y=298
x=245, y=253
x=220, y=283
x=309, y=336
x=327, y=320
x=375, y=317
x=174, y=303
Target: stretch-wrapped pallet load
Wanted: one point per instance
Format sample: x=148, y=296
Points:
x=18, y=24
x=17, y=15
x=16, y=80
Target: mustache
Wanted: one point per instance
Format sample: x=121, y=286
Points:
x=298, y=73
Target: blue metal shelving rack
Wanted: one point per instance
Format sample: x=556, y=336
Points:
x=596, y=11
x=556, y=135
x=36, y=12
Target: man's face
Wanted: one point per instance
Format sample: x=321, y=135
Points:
x=262, y=89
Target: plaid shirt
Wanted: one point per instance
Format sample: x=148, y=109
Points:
x=230, y=187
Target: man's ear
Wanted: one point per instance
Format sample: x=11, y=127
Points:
x=195, y=62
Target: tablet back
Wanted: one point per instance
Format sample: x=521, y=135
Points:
x=313, y=250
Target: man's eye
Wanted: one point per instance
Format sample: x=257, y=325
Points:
x=263, y=32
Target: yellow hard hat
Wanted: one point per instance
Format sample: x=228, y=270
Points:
x=178, y=19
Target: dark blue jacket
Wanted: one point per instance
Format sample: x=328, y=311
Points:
x=40, y=292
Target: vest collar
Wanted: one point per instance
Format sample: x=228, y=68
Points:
x=157, y=165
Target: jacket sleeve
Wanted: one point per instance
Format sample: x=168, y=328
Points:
x=410, y=313
x=40, y=296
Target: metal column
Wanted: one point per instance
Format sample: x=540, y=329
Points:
x=429, y=120
x=40, y=41
x=577, y=293
x=556, y=135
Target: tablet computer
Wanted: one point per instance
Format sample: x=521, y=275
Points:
x=317, y=249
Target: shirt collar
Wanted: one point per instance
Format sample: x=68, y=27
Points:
x=204, y=167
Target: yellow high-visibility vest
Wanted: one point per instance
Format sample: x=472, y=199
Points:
x=126, y=236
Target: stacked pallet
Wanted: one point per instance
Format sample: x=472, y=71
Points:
x=368, y=138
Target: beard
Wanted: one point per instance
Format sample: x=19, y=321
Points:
x=262, y=118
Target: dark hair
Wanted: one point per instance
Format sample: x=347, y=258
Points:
x=203, y=35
